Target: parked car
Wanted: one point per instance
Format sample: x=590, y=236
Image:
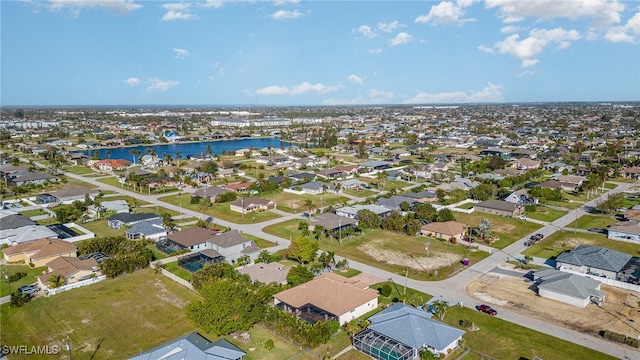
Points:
x=487, y=309
x=598, y=230
x=529, y=242
x=28, y=289
x=469, y=239
x=522, y=217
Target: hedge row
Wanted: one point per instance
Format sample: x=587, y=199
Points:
x=620, y=338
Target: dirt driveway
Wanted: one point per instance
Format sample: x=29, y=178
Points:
x=620, y=311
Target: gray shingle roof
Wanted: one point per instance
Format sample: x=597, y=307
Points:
x=147, y=228
x=15, y=221
x=497, y=205
x=228, y=239
x=568, y=284
x=595, y=257
x=127, y=218
x=413, y=327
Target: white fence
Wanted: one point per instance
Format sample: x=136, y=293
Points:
x=175, y=278
x=454, y=207
x=86, y=233
x=78, y=284
x=293, y=191
x=610, y=282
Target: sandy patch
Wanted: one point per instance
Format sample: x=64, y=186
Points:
x=167, y=296
x=436, y=260
x=620, y=311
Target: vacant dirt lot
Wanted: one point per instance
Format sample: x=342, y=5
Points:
x=620, y=311
x=436, y=260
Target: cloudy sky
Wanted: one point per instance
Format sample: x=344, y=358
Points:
x=223, y=52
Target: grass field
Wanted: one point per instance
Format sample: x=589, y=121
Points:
x=500, y=339
x=566, y=240
x=30, y=278
x=125, y=198
x=262, y=243
x=508, y=229
x=221, y=211
x=294, y=203
x=154, y=209
x=360, y=194
x=565, y=204
x=79, y=170
x=593, y=221
x=112, y=319
x=30, y=213
x=174, y=268
x=546, y=214
x=101, y=228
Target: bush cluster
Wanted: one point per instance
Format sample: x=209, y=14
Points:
x=620, y=338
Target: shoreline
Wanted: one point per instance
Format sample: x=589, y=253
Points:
x=175, y=143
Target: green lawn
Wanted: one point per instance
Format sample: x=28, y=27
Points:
x=101, y=228
x=30, y=278
x=508, y=229
x=354, y=355
x=113, y=319
x=30, y=213
x=154, y=209
x=566, y=204
x=566, y=240
x=500, y=339
x=125, y=198
x=262, y=243
x=590, y=221
x=360, y=194
x=79, y=170
x=174, y=268
x=220, y=211
x=466, y=206
x=157, y=254
x=285, y=229
x=546, y=214
x=294, y=203
x=610, y=186
x=398, y=292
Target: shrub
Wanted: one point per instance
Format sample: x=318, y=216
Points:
x=385, y=290
x=17, y=276
x=269, y=345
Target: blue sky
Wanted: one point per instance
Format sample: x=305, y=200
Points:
x=125, y=52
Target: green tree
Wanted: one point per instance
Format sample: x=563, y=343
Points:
x=412, y=227
x=440, y=308
x=303, y=250
x=367, y=219
x=55, y=281
x=484, y=228
x=394, y=222
x=426, y=212
x=445, y=215
x=441, y=195
x=299, y=274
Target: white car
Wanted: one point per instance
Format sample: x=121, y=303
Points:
x=522, y=217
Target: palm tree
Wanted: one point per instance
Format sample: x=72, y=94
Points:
x=178, y=157
x=55, y=281
x=108, y=153
x=309, y=204
x=133, y=153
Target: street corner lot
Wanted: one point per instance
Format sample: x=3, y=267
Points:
x=619, y=313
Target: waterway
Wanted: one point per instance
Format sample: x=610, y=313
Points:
x=191, y=148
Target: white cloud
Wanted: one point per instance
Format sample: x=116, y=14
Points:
x=366, y=31
x=602, y=12
x=376, y=51
x=355, y=79
x=120, y=7
x=156, y=84
x=627, y=33
x=180, y=53
x=510, y=29
x=401, y=39
x=300, y=89
x=374, y=97
x=529, y=48
x=526, y=73
x=447, y=13
x=178, y=11
x=133, y=81
x=216, y=4
x=490, y=93
x=286, y=15
x=285, y=2
x=377, y=96
x=389, y=27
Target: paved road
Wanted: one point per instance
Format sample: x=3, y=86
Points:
x=452, y=289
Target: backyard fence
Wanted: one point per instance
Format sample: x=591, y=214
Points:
x=78, y=284
x=610, y=282
x=175, y=278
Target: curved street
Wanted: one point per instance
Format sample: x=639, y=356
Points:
x=452, y=289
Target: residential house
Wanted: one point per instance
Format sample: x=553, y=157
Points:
x=568, y=288
x=400, y=153
x=626, y=231
x=574, y=180
x=39, y=252
x=423, y=196
x=316, y=187
x=328, y=297
x=631, y=172
x=444, y=230
x=117, y=221
x=26, y=233
x=593, y=261
x=109, y=207
x=111, y=165
x=406, y=331
x=526, y=164
x=503, y=153
x=499, y=207
x=35, y=178
x=348, y=170
x=373, y=165
x=212, y=192
x=72, y=269
x=193, y=346
x=303, y=177
x=520, y=197
x=227, y=246
x=395, y=202
x=352, y=211
x=241, y=188
x=71, y=194
x=331, y=222
x=273, y=160
x=266, y=273
x=12, y=220
x=353, y=184
x=152, y=229
x=252, y=204
x=329, y=174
